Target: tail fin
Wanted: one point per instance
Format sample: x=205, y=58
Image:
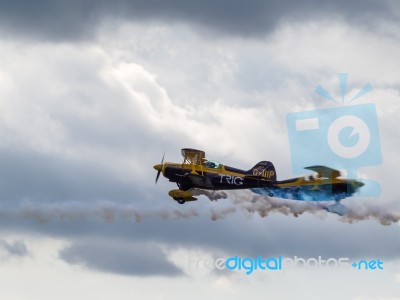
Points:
x=263, y=169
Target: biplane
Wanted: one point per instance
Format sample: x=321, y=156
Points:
x=198, y=172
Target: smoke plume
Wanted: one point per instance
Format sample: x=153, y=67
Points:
x=212, y=195
x=356, y=209
x=264, y=205
x=384, y=213
x=103, y=210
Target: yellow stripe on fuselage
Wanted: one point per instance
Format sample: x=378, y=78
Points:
x=301, y=182
x=199, y=169
x=298, y=182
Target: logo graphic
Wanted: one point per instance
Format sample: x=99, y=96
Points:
x=342, y=137
x=248, y=265
x=373, y=264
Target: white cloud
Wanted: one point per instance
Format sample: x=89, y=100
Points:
x=115, y=104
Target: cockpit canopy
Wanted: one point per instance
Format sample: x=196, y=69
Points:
x=212, y=164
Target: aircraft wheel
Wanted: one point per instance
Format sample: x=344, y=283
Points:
x=271, y=194
x=181, y=201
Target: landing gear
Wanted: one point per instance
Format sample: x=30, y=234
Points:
x=181, y=196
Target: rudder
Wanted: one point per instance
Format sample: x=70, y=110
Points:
x=264, y=170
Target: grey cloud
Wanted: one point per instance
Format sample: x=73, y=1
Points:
x=282, y=235
x=106, y=148
x=79, y=19
x=47, y=177
x=121, y=257
x=305, y=236
x=29, y=175
x=16, y=248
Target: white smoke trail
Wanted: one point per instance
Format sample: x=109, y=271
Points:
x=356, y=209
x=217, y=214
x=104, y=210
x=385, y=213
x=44, y=213
x=212, y=195
x=245, y=201
x=263, y=205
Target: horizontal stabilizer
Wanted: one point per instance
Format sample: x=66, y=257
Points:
x=325, y=172
x=336, y=208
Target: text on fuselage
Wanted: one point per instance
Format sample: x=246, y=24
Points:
x=230, y=179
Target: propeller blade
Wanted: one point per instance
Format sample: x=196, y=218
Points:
x=158, y=176
x=159, y=172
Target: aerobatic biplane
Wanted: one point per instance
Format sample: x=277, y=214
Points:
x=198, y=172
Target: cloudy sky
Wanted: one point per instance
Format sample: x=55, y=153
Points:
x=92, y=93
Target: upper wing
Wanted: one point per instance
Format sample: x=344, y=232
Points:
x=193, y=156
x=324, y=171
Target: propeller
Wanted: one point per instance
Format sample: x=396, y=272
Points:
x=160, y=170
